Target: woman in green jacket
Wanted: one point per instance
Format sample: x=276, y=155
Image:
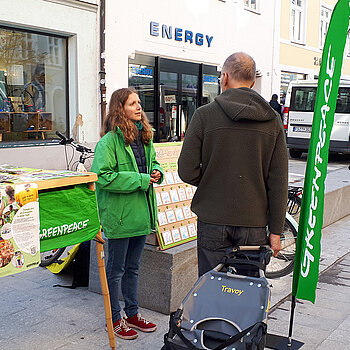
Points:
x=125, y=162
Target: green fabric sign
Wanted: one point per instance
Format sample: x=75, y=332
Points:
x=67, y=217
x=306, y=267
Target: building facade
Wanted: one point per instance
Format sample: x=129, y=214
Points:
x=171, y=52
x=48, y=77
x=303, y=28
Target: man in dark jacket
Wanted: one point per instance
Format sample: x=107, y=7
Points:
x=235, y=153
x=275, y=105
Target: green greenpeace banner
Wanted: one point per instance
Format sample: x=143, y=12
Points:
x=307, y=257
x=67, y=217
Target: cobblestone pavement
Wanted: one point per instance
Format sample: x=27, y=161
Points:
x=323, y=325
x=34, y=315
x=37, y=316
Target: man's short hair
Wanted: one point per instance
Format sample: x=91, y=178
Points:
x=240, y=66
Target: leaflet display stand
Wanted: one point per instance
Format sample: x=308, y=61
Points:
x=177, y=224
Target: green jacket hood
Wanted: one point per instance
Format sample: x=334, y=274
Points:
x=245, y=103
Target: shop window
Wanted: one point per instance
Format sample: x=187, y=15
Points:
x=286, y=78
x=33, y=91
x=176, y=83
x=141, y=78
x=210, y=88
x=297, y=21
x=324, y=24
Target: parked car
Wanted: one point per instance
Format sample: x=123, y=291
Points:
x=298, y=116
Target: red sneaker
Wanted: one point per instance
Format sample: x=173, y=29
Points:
x=140, y=323
x=121, y=330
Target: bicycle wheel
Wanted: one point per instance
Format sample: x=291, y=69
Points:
x=283, y=263
x=49, y=257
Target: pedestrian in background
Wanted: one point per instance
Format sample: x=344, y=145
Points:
x=235, y=152
x=125, y=162
x=283, y=102
x=275, y=105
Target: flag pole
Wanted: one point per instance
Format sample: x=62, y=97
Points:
x=291, y=321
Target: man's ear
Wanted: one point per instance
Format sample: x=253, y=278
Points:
x=253, y=83
x=224, y=80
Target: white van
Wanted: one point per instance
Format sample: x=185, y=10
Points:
x=298, y=114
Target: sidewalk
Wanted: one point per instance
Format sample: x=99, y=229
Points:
x=37, y=316
x=34, y=315
x=324, y=325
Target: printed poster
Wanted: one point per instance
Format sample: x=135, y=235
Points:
x=19, y=228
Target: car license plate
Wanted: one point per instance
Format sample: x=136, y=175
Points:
x=302, y=129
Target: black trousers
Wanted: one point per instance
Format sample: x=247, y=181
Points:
x=214, y=241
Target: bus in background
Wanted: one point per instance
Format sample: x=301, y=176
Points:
x=298, y=115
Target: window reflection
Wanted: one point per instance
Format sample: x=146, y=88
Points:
x=210, y=88
x=32, y=85
x=141, y=78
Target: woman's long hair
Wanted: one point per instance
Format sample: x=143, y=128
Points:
x=116, y=117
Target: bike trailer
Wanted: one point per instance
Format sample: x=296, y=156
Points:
x=227, y=307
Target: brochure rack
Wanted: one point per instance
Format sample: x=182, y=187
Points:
x=177, y=224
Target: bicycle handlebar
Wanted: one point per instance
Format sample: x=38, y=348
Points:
x=81, y=149
x=250, y=248
x=70, y=141
x=64, y=140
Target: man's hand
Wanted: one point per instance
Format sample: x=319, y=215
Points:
x=155, y=176
x=275, y=242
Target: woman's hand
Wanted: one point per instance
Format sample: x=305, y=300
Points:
x=155, y=176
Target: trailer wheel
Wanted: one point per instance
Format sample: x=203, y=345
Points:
x=295, y=153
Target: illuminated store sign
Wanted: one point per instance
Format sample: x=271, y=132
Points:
x=210, y=79
x=180, y=34
x=142, y=71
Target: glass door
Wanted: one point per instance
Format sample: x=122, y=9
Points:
x=189, y=93
x=178, y=90
x=168, y=108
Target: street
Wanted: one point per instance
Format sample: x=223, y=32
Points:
x=297, y=166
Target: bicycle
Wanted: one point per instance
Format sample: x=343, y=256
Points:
x=86, y=153
x=283, y=263
x=51, y=256
x=294, y=199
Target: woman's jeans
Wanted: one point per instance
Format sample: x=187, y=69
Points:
x=124, y=258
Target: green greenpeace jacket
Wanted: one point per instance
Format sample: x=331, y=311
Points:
x=121, y=190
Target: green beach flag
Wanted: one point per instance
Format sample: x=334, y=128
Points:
x=306, y=267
